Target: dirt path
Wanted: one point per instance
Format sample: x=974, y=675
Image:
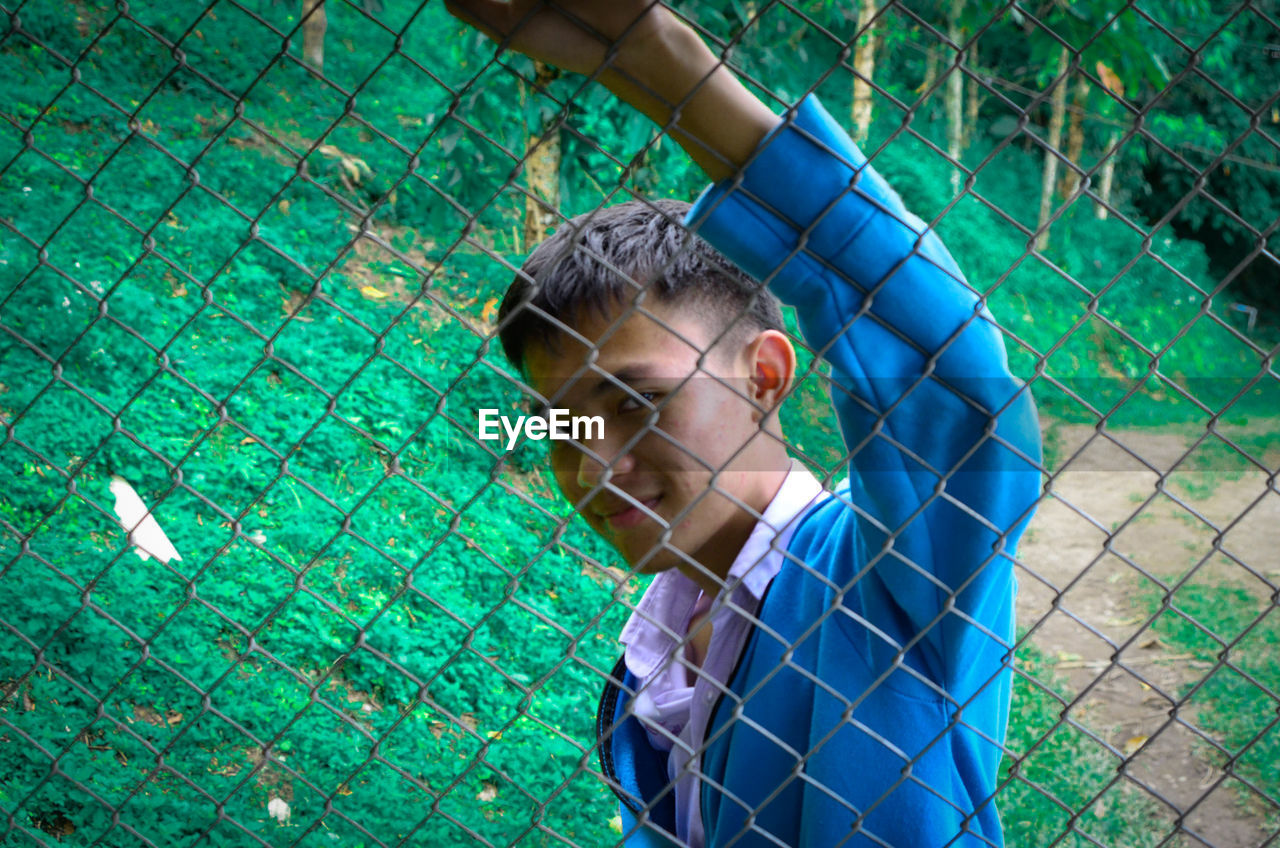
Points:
x=1087, y=549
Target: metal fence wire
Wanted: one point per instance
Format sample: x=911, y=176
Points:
x=262, y=582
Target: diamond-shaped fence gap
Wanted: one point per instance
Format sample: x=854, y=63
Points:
x=218, y=351
x=157, y=417
x=390, y=266
x=140, y=595
x=1254, y=529
x=814, y=47
x=395, y=633
x=50, y=29
x=1007, y=177
x=245, y=168
x=79, y=541
x=323, y=775
x=244, y=581
x=1244, y=40
x=139, y=164
x=1226, y=794
x=305, y=254
x=48, y=195
x=115, y=365
x=338, y=462
x=1177, y=31
x=1100, y=365
x=404, y=99
x=152, y=301
x=361, y=167
x=1124, y=814
x=127, y=785
x=926, y=186
x=361, y=799
x=294, y=109
x=124, y=67
x=480, y=804
x=62, y=425
x=561, y=788
x=1099, y=598
x=1214, y=477
x=218, y=41
x=197, y=236
x=1247, y=732
x=1243, y=429
x=520, y=661
x=1065, y=625
x=356, y=44
x=383, y=290
x=45, y=611
x=436, y=450
x=1235, y=364
x=78, y=145
x=34, y=490
x=312, y=344
x=335, y=609
x=231, y=470
x=399, y=519
x=45, y=813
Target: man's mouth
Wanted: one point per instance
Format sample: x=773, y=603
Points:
x=630, y=516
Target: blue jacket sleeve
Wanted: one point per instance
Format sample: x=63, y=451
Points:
x=944, y=443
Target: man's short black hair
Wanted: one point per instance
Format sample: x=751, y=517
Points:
x=601, y=260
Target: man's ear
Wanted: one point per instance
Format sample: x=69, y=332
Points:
x=771, y=360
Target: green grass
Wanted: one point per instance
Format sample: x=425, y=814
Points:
x=1239, y=631
x=1061, y=783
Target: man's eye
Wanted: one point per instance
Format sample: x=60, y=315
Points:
x=632, y=403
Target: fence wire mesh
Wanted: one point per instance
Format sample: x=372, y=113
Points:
x=262, y=582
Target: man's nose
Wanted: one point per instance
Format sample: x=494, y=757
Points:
x=599, y=461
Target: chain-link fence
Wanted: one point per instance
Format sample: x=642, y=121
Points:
x=262, y=581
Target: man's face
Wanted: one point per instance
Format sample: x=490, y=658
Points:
x=669, y=426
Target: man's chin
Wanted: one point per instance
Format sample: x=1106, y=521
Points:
x=649, y=559
x=655, y=561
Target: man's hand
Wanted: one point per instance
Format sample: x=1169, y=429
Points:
x=646, y=56
x=574, y=35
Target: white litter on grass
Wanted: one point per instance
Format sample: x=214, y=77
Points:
x=278, y=809
x=145, y=534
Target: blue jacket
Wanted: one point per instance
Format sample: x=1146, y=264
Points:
x=870, y=703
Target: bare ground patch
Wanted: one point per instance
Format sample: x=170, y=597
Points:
x=1123, y=525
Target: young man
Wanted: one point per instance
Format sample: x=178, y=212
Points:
x=805, y=669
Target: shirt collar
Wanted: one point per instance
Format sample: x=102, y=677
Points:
x=662, y=616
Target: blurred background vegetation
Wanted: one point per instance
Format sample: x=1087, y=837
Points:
x=250, y=252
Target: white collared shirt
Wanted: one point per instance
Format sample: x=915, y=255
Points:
x=675, y=699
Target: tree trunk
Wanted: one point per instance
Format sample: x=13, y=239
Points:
x=864, y=64
x=955, y=96
x=1075, y=137
x=542, y=173
x=1054, y=141
x=930, y=69
x=972, y=101
x=315, y=21
x=1105, y=177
